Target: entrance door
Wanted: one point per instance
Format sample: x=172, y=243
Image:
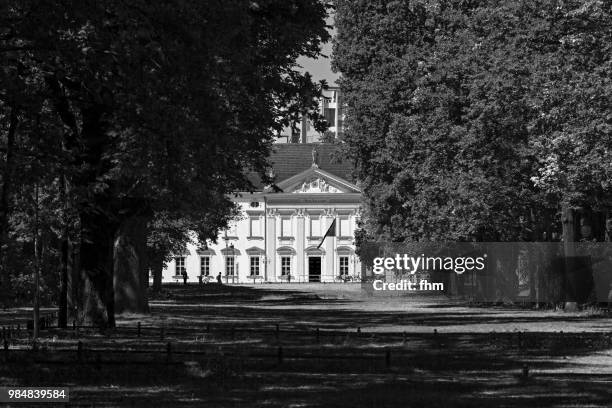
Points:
x=314, y=269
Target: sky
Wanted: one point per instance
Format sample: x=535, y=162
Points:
x=320, y=68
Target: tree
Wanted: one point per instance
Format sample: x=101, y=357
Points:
x=162, y=108
x=455, y=110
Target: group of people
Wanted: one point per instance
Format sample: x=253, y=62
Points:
x=184, y=273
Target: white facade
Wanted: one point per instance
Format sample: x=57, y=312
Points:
x=276, y=238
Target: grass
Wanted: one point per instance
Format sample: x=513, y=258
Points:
x=369, y=352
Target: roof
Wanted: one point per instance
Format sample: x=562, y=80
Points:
x=290, y=159
x=314, y=172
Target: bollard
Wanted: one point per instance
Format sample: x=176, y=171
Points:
x=388, y=358
x=280, y=355
x=169, y=352
x=139, y=329
x=80, y=351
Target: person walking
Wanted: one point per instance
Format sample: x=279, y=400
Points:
x=219, y=281
x=184, y=277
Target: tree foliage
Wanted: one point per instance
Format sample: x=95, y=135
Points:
x=147, y=110
x=472, y=120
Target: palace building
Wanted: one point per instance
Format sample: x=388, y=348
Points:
x=277, y=236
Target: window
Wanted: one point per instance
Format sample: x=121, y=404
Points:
x=285, y=265
x=255, y=227
x=315, y=227
x=344, y=265
x=254, y=266
x=344, y=227
x=179, y=267
x=205, y=265
x=230, y=265
x=330, y=116
x=286, y=230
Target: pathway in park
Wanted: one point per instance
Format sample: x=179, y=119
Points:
x=323, y=346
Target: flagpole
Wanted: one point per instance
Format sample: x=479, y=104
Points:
x=334, y=255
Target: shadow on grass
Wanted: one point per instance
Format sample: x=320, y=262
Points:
x=460, y=370
x=294, y=308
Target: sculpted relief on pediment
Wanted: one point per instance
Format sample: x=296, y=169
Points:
x=316, y=185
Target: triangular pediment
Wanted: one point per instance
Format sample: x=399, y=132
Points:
x=317, y=181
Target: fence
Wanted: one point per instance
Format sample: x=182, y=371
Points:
x=164, y=344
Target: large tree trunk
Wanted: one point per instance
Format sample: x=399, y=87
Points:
x=131, y=266
x=65, y=258
x=569, y=251
x=74, y=278
x=96, y=256
x=157, y=266
x=65, y=273
x=4, y=203
x=567, y=219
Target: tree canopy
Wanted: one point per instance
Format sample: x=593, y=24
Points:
x=472, y=120
x=149, y=111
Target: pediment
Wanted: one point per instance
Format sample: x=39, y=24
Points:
x=317, y=181
x=316, y=185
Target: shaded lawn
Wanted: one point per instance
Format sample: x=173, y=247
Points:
x=240, y=367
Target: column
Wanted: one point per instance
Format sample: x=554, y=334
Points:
x=271, y=245
x=300, y=237
x=329, y=270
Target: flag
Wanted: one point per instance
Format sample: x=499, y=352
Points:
x=331, y=232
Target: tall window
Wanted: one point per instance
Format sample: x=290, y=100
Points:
x=285, y=265
x=255, y=227
x=286, y=230
x=254, y=266
x=179, y=266
x=230, y=265
x=344, y=227
x=205, y=265
x=315, y=227
x=330, y=116
x=344, y=265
